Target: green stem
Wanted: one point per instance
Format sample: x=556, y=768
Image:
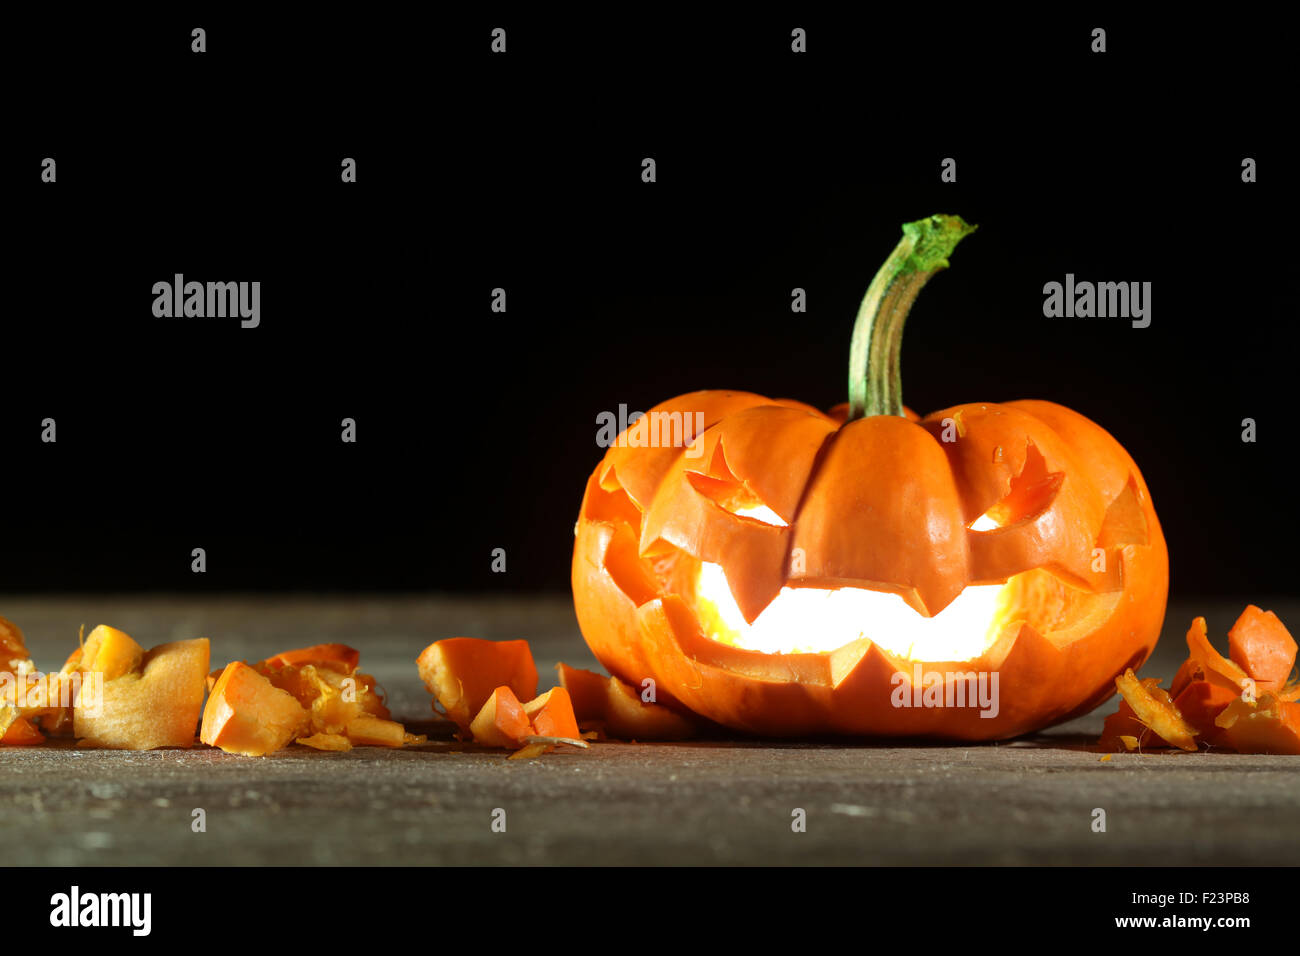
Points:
x=875, y=380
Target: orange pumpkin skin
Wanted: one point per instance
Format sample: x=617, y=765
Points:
x=885, y=503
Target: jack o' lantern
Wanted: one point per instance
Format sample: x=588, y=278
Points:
x=979, y=573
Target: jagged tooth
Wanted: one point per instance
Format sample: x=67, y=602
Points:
x=1030, y=668
x=857, y=663
x=699, y=669
x=862, y=700
x=1017, y=646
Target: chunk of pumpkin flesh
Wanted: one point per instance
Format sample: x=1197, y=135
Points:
x=1200, y=703
x=1263, y=647
x=12, y=646
x=530, y=751
x=501, y=722
x=321, y=692
x=620, y=708
x=1119, y=728
x=1269, y=725
x=246, y=714
x=552, y=714
x=1190, y=670
x=339, y=657
x=462, y=673
x=1217, y=668
x=1156, y=711
x=553, y=719
x=110, y=652
x=342, y=703
x=326, y=670
x=335, y=742
x=377, y=732
x=18, y=731
x=157, y=705
x=21, y=724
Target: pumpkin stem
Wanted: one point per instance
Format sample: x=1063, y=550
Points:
x=875, y=379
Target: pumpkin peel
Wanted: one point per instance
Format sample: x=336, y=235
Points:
x=156, y=703
x=463, y=672
x=501, y=721
x=529, y=751
x=33, y=704
x=529, y=729
x=1268, y=725
x=313, y=696
x=1155, y=710
x=1261, y=645
x=1243, y=702
x=247, y=714
x=335, y=742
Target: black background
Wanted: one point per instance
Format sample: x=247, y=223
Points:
x=477, y=430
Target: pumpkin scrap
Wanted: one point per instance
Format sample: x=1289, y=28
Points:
x=337, y=656
x=1216, y=668
x=18, y=731
x=552, y=714
x=463, y=672
x=1120, y=728
x=313, y=695
x=529, y=751
x=17, y=727
x=246, y=714
x=1268, y=725
x=618, y=708
x=111, y=652
x=501, y=722
x=530, y=729
x=12, y=646
x=1200, y=702
x=1155, y=709
x=33, y=705
x=150, y=699
x=380, y=732
x=1264, y=648
x=538, y=745
x=1245, y=702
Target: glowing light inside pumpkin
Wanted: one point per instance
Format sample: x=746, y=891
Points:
x=762, y=513
x=814, y=620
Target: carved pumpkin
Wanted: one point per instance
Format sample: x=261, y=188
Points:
x=786, y=571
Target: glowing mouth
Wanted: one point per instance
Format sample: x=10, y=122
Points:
x=814, y=620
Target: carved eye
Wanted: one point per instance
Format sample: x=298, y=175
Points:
x=1031, y=491
x=721, y=486
x=734, y=497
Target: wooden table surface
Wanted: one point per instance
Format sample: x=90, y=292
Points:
x=708, y=802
